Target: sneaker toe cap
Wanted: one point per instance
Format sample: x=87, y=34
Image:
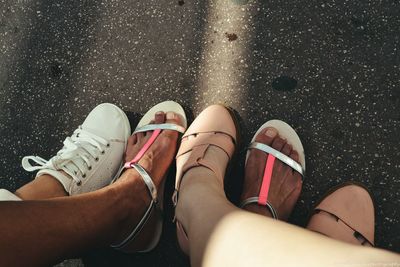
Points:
x=108, y=121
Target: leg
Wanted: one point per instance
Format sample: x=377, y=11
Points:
x=66, y=226
x=280, y=244
x=223, y=235
x=43, y=232
x=228, y=236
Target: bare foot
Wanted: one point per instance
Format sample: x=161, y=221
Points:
x=286, y=183
x=156, y=162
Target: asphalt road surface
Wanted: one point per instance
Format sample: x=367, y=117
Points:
x=329, y=68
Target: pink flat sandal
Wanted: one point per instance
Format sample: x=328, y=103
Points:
x=215, y=126
x=287, y=132
x=155, y=210
x=346, y=213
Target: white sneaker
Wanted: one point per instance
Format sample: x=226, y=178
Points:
x=92, y=156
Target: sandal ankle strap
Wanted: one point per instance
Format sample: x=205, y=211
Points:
x=147, y=180
x=196, y=160
x=152, y=189
x=255, y=200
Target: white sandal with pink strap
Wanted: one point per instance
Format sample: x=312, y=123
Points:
x=288, y=133
x=156, y=204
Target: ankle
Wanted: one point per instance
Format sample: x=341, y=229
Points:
x=131, y=198
x=200, y=176
x=124, y=190
x=197, y=184
x=42, y=187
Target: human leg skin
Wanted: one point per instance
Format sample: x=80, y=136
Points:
x=47, y=231
x=37, y=233
x=252, y=240
x=222, y=235
x=43, y=187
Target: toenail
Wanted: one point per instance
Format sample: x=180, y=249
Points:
x=170, y=115
x=271, y=132
x=159, y=113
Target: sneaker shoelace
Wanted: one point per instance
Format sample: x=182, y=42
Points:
x=74, y=158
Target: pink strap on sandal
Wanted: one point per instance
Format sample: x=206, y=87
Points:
x=148, y=144
x=266, y=182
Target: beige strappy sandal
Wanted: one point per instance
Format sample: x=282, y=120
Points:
x=346, y=213
x=215, y=126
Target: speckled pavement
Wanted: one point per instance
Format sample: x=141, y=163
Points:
x=331, y=69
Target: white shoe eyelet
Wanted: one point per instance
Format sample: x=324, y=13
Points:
x=96, y=159
x=108, y=145
x=90, y=168
x=84, y=176
x=102, y=152
x=79, y=183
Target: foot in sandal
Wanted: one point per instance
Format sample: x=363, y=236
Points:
x=205, y=151
x=274, y=167
x=150, y=152
x=346, y=213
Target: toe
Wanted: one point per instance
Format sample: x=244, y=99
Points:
x=267, y=136
x=132, y=140
x=278, y=143
x=287, y=148
x=294, y=155
x=173, y=118
x=140, y=136
x=160, y=117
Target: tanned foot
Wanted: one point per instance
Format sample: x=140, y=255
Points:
x=286, y=183
x=156, y=161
